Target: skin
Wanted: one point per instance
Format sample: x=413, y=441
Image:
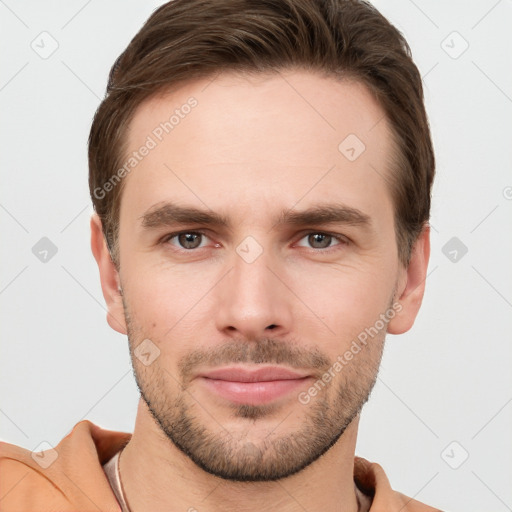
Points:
x=251, y=148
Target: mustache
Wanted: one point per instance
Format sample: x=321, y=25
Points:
x=263, y=351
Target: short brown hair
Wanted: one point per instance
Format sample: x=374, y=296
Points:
x=191, y=39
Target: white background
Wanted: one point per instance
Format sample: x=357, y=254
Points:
x=449, y=379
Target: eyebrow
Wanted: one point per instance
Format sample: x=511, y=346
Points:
x=167, y=214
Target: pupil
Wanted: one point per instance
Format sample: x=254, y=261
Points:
x=187, y=240
x=322, y=239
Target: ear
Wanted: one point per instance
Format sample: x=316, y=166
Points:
x=412, y=285
x=109, y=277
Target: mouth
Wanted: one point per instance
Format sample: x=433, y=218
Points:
x=253, y=386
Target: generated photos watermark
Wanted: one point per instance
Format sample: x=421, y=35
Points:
x=343, y=359
x=152, y=140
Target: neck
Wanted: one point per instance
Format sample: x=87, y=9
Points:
x=158, y=476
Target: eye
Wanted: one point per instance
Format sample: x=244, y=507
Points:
x=190, y=240
x=186, y=240
x=319, y=240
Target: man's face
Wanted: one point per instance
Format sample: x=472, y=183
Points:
x=269, y=289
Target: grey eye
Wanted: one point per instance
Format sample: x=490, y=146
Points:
x=189, y=240
x=319, y=240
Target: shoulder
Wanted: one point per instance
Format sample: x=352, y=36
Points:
x=22, y=479
x=69, y=476
x=373, y=481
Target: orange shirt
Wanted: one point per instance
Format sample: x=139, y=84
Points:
x=71, y=477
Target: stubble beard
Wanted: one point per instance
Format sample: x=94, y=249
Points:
x=196, y=429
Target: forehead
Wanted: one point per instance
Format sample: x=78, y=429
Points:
x=233, y=140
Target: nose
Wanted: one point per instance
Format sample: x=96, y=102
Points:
x=252, y=301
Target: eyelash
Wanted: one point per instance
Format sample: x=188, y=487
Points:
x=340, y=238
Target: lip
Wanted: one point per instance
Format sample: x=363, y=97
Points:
x=254, y=386
x=245, y=374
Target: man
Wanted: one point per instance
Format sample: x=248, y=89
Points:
x=261, y=176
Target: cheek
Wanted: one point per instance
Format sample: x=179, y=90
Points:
x=164, y=297
x=345, y=301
